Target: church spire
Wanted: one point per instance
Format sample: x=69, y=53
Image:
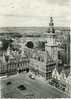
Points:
x=51, y=26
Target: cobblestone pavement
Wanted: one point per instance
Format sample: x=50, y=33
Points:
x=34, y=88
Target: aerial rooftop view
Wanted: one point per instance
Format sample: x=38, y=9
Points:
x=35, y=62
x=35, y=49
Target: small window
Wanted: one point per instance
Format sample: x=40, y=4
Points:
x=9, y=83
x=38, y=58
x=42, y=60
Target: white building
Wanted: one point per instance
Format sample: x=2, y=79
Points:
x=0, y=43
x=63, y=77
x=8, y=50
x=55, y=74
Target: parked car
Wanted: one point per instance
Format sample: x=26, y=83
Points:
x=21, y=87
x=62, y=86
x=9, y=83
x=32, y=76
x=54, y=82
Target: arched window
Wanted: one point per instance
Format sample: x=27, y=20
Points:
x=38, y=58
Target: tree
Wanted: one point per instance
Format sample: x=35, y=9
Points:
x=30, y=44
x=6, y=43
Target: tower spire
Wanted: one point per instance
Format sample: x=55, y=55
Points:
x=51, y=22
x=51, y=26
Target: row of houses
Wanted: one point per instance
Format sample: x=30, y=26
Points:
x=13, y=65
x=63, y=80
x=36, y=61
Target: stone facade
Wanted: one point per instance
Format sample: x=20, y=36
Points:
x=14, y=63
x=40, y=62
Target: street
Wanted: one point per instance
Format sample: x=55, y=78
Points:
x=34, y=88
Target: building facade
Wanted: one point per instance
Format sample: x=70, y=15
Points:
x=13, y=63
x=40, y=50
x=40, y=62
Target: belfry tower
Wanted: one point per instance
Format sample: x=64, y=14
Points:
x=51, y=26
x=51, y=45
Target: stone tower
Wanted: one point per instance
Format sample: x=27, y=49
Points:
x=51, y=45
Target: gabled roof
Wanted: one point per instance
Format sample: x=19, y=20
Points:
x=55, y=74
x=68, y=80
x=63, y=76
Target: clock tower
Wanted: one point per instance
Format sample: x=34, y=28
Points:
x=51, y=45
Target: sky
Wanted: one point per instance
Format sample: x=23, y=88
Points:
x=21, y=13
